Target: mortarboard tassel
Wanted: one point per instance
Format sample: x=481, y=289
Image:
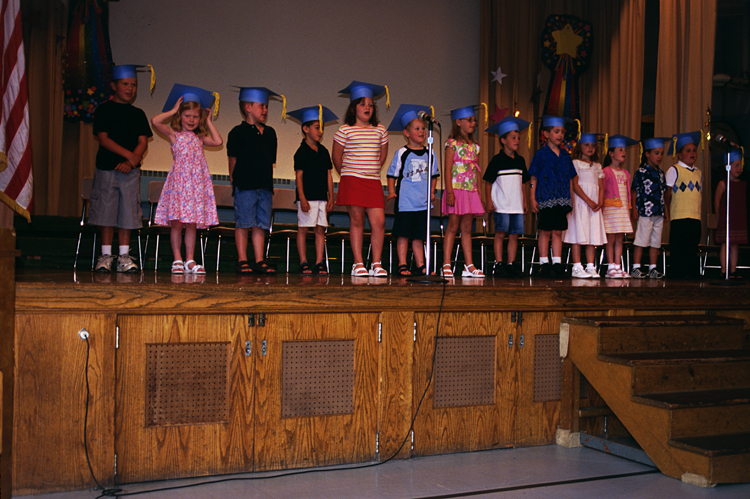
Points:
x=387, y=97
x=531, y=128
x=216, y=106
x=606, y=142
x=432, y=112
x=485, y=113
x=578, y=137
x=153, y=78
x=320, y=116
x=674, y=146
x=640, y=147
x=283, y=107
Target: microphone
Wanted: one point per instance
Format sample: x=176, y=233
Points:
x=426, y=117
x=723, y=140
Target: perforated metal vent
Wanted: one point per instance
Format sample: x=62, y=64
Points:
x=547, y=368
x=465, y=371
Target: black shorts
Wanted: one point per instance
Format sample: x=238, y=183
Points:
x=555, y=218
x=410, y=224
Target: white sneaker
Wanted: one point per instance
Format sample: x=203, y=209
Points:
x=614, y=274
x=104, y=263
x=580, y=273
x=593, y=273
x=126, y=264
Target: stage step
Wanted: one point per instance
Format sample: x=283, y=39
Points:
x=679, y=384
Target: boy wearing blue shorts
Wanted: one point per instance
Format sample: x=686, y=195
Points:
x=251, y=148
x=505, y=195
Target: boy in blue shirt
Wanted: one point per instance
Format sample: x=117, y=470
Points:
x=552, y=174
x=407, y=184
x=251, y=148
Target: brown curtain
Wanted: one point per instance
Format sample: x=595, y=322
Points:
x=684, y=75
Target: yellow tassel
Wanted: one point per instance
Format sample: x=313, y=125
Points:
x=702, y=146
x=387, y=98
x=674, y=146
x=485, y=113
x=216, y=106
x=606, y=143
x=432, y=112
x=578, y=137
x=640, y=147
x=283, y=107
x=153, y=78
x=320, y=116
x=531, y=128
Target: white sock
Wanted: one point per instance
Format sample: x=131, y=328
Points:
x=556, y=259
x=590, y=266
x=577, y=266
x=106, y=249
x=636, y=265
x=543, y=260
x=651, y=267
x=124, y=250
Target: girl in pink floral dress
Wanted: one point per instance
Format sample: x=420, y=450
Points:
x=187, y=199
x=461, y=199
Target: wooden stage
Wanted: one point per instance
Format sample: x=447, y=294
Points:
x=203, y=375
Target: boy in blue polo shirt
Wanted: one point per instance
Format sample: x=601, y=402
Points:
x=552, y=174
x=407, y=183
x=251, y=148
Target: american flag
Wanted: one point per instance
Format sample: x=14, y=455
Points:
x=15, y=150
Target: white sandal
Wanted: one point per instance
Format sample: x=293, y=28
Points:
x=446, y=271
x=472, y=273
x=379, y=271
x=178, y=267
x=195, y=269
x=359, y=270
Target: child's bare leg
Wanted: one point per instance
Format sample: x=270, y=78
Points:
x=320, y=243
x=465, y=224
x=356, y=231
x=557, y=243
x=258, y=237
x=417, y=248
x=638, y=255
x=240, y=240
x=376, y=216
x=512, y=248
x=590, y=254
x=190, y=237
x=175, y=238
x=123, y=237
x=543, y=243
x=402, y=247
x=734, y=251
x=302, y=243
x=618, y=248
x=450, y=237
x=610, y=248
x=576, y=250
x=108, y=234
x=497, y=245
x=653, y=256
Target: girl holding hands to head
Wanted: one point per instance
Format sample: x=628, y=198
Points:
x=187, y=199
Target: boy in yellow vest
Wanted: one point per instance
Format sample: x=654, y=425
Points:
x=684, y=197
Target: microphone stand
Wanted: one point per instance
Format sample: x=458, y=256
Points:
x=427, y=278
x=727, y=281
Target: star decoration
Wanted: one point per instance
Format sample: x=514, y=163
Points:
x=498, y=75
x=567, y=41
x=498, y=114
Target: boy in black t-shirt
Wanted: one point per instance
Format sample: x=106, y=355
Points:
x=312, y=165
x=122, y=131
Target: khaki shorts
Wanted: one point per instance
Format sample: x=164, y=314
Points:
x=648, y=233
x=315, y=216
x=116, y=199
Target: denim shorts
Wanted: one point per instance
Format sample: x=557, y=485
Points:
x=509, y=223
x=253, y=208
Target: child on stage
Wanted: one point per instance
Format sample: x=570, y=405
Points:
x=408, y=178
x=187, y=197
x=737, y=217
x=312, y=167
x=616, y=210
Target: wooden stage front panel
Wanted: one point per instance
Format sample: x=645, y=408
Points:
x=374, y=339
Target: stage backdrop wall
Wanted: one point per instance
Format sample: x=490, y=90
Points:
x=427, y=52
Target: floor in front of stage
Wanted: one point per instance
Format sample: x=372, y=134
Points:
x=548, y=471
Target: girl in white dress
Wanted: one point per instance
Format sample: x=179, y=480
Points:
x=585, y=222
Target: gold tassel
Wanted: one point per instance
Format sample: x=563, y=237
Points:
x=485, y=113
x=640, y=146
x=320, y=116
x=216, y=106
x=153, y=78
x=702, y=146
x=578, y=137
x=674, y=146
x=531, y=128
x=606, y=143
x=387, y=98
x=432, y=112
x=283, y=107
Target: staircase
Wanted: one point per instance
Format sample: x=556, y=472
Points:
x=679, y=384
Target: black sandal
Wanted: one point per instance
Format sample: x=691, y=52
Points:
x=243, y=267
x=421, y=270
x=304, y=269
x=403, y=271
x=321, y=269
x=262, y=267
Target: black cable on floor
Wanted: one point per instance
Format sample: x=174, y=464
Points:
x=118, y=492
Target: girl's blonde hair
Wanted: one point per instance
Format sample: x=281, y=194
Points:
x=176, y=124
x=456, y=134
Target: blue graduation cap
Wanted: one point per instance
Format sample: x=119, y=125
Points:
x=131, y=71
x=189, y=94
x=359, y=89
x=620, y=141
x=553, y=121
x=462, y=112
x=405, y=114
x=735, y=156
x=256, y=94
x=588, y=138
x=654, y=143
x=313, y=113
x=680, y=140
x=508, y=124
